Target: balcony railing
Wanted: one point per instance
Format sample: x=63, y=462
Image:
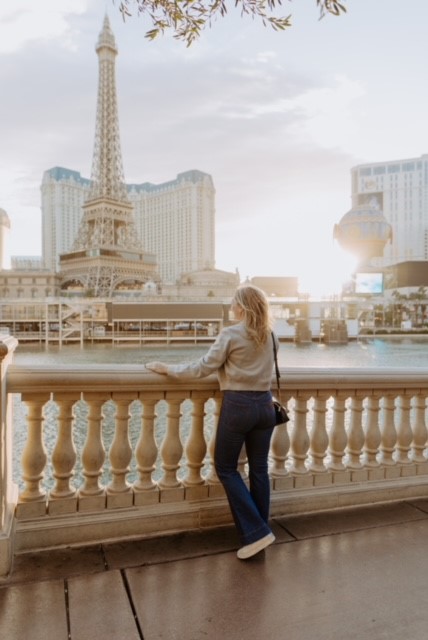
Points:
x=114, y=452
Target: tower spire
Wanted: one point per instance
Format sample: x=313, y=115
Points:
x=107, y=169
x=107, y=253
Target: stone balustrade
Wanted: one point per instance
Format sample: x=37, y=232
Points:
x=130, y=451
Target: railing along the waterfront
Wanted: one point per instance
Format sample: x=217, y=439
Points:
x=355, y=436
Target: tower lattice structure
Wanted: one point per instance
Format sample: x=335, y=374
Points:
x=107, y=254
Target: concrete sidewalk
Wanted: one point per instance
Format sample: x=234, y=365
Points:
x=344, y=575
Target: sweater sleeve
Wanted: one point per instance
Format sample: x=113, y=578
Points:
x=213, y=360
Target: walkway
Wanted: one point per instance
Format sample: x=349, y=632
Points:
x=344, y=575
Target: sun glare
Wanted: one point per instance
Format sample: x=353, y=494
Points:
x=327, y=277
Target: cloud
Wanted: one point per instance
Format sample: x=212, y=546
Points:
x=328, y=113
x=266, y=56
x=252, y=135
x=22, y=22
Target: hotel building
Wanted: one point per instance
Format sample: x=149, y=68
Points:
x=174, y=220
x=400, y=189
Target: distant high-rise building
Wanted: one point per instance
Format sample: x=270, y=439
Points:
x=63, y=195
x=4, y=237
x=399, y=188
x=174, y=219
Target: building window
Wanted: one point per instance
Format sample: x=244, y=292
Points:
x=408, y=166
x=394, y=168
x=377, y=171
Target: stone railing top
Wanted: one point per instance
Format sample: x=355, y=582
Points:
x=24, y=378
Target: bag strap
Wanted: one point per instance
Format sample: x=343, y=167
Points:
x=278, y=375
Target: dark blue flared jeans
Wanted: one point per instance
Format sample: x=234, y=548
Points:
x=246, y=417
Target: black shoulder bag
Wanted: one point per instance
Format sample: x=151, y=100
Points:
x=281, y=415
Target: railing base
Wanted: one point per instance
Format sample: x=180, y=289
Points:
x=118, y=524
x=318, y=499
x=163, y=518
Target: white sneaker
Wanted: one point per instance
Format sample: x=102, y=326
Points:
x=251, y=549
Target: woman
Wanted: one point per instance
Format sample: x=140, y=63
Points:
x=243, y=357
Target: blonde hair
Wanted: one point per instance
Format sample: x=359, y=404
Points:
x=256, y=312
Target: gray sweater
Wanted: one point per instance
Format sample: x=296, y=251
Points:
x=239, y=363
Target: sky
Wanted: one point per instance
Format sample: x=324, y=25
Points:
x=277, y=119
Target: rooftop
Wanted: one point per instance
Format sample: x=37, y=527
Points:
x=347, y=574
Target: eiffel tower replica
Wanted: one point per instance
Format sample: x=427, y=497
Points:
x=106, y=256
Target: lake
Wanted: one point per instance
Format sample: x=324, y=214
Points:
x=402, y=351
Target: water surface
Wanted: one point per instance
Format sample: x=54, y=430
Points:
x=371, y=352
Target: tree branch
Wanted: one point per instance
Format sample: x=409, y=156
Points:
x=187, y=18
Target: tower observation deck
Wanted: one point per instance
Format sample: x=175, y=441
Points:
x=107, y=255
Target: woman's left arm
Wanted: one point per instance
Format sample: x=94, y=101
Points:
x=209, y=363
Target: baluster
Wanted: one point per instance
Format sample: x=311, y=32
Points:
x=373, y=435
x=404, y=432
x=388, y=432
x=338, y=437
x=318, y=435
x=196, y=446
x=420, y=432
x=146, y=451
x=93, y=454
x=212, y=475
x=64, y=453
x=171, y=449
x=120, y=451
x=299, y=436
x=355, y=434
x=279, y=449
x=34, y=455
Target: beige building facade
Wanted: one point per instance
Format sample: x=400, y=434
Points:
x=28, y=284
x=205, y=284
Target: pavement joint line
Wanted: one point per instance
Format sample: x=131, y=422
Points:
x=105, y=561
x=416, y=506
x=67, y=608
x=131, y=603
